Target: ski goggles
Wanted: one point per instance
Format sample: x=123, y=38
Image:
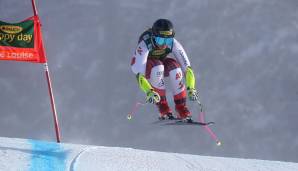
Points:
x=163, y=41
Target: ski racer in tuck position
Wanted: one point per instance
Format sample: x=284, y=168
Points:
x=158, y=55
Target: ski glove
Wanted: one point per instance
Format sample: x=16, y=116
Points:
x=193, y=94
x=152, y=97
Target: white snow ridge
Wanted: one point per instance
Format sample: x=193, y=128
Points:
x=31, y=155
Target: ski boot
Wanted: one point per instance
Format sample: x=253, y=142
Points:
x=187, y=119
x=184, y=113
x=168, y=116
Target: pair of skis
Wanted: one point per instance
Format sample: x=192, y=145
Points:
x=181, y=122
x=201, y=121
x=175, y=121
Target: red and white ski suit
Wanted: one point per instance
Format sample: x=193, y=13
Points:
x=173, y=66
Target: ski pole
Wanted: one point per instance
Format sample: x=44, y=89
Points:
x=134, y=109
x=206, y=127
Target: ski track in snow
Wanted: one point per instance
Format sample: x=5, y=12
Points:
x=77, y=157
x=188, y=163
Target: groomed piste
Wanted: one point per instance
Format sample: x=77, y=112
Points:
x=32, y=155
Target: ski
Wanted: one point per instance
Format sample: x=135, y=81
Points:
x=180, y=122
x=166, y=121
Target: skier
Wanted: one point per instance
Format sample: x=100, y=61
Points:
x=158, y=55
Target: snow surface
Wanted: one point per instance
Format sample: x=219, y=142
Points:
x=31, y=155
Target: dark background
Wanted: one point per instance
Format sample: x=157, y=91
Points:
x=243, y=52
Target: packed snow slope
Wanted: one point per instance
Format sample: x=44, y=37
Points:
x=32, y=155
